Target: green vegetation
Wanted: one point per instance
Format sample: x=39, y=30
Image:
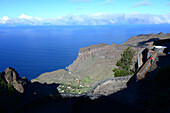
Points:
x=5, y=88
x=124, y=63
x=120, y=72
x=10, y=88
x=8, y=98
x=76, y=86
x=86, y=80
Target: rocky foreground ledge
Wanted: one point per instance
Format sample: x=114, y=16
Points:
x=16, y=91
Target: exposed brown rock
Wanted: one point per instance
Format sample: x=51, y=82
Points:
x=160, y=33
x=18, y=87
x=24, y=79
x=11, y=75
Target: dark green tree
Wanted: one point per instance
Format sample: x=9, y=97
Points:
x=124, y=63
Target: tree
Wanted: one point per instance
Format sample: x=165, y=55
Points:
x=124, y=63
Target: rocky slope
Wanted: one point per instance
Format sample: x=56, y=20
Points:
x=97, y=61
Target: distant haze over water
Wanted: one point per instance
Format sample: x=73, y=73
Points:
x=39, y=49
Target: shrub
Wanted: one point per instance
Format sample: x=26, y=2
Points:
x=5, y=88
x=121, y=72
x=10, y=88
x=3, y=84
x=124, y=63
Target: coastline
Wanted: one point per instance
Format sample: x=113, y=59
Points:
x=51, y=50
x=97, y=61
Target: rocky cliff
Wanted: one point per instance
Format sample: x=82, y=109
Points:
x=97, y=61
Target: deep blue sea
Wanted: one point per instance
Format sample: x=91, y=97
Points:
x=36, y=50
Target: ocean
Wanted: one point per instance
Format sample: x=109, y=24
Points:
x=33, y=50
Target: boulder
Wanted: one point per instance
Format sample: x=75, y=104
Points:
x=11, y=75
x=18, y=87
x=25, y=79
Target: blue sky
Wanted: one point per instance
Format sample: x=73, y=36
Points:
x=36, y=10
x=54, y=8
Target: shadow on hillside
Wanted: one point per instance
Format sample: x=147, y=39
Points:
x=35, y=94
x=105, y=104
x=133, y=99
x=38, y=89
x=150, y=40
x=160, y=63
x=83, y=104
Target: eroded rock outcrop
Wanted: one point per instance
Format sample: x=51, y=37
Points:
x=11, y=76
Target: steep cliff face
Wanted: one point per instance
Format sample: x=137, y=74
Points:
x=97, y=61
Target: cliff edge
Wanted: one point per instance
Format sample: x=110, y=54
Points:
x=97, y=61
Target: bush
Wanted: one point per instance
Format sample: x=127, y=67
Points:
x=10, y=88
x=124, y=63
x=3, y=84
x=121, y=72
x=5, y=88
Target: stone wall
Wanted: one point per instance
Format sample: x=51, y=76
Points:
x=109, y=86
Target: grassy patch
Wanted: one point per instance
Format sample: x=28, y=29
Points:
x=76, y=86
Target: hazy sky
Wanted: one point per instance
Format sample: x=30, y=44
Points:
x=55, y=8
